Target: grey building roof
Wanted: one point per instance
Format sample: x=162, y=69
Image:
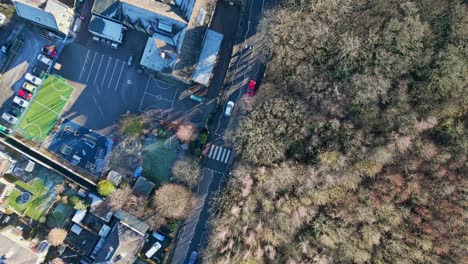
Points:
x=15, y=252
x=157, y=8
x=132, y=221
x=106, y=28
x=158, y=54
x=208, y=56
x=62, y=13
x=109, y=8
x=143, y=187
x=121, y=245
x=36, y=15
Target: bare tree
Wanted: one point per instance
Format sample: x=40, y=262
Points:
x=185, y=132
x=57, y=236
x=173, y=201
x=119, y=197
x=187, y=170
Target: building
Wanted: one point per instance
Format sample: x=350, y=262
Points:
x=143, y=187
x=57, y=16
x=14, y=249
x=121, y=245
x=180, y=43
x=7, y=163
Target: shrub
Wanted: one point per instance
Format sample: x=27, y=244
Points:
x=203, y=138
x=131, y=126
x=105, y=187
x=187, y=170
x=162, y=133
x=78, y=204
x=57, y=236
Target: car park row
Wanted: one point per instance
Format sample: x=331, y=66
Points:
x=33, y=81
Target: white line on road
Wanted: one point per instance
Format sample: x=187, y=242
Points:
x=222, y=155
x=215, y=152
x=211, y=151
x=227, y=156
x=118, y=79
x=105, y=74
x=146, y=89
x=97, y=72
x=91, y=68
x=110, y=80
x=219, y=153
x=86, y=60
x=159, y=97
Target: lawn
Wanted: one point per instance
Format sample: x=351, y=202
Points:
x=158, y=158
x=45, y=108
x=60, y=216
x=39, y=202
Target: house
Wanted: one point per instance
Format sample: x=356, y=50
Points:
x=5, y=190
x=7, y=163
x=121, y=245
x=143, y=187
x=56, y=16
x=180, y=43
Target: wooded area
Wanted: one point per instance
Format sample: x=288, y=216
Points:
x=355, y=150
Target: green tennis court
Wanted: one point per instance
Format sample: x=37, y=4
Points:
x=46, y=108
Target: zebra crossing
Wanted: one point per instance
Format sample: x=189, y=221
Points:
x=219, y=153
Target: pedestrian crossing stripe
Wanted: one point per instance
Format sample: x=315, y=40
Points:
x=219, y=153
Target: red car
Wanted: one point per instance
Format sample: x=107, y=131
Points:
x=23, y=94
x=251, y=88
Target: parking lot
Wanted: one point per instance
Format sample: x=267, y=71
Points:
x=107, y=87
x=23, y=60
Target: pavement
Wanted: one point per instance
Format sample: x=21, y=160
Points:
x=244, y=64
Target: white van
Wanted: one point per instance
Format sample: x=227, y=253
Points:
x=156, y=246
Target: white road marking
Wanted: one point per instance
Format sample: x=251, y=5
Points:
x=219, y=153
x=173, y=99
x=211, y=151
x=146, y=89
x=110, y=80
x=215, y=152
x=91, y=68
x=105, y=74
x=227, y=156
x=118, y=79
x=97, y=72
x=86, y=60
x=222, y=156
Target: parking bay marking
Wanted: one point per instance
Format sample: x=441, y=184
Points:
x=91, y=68
x=97, y=72
x=118, y=79
x=115, y=65
x=86, y=60
x=105, y=73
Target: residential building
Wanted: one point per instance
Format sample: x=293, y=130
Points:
x=7, y=163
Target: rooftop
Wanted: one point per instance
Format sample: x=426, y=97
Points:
x=157, y=7
x=143, y=187
x=132, y=221
x=208, y=57
x=36, y=15
x=62, y=13
x=106, y=27
x=107, y=8
x=81, y=240
x=121, y=245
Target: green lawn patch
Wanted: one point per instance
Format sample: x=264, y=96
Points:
x=158, y=158
x=40, y=198
x=60, y=216
x=45, y=108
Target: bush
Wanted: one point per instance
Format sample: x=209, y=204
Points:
x=187, y=170
x=203, y=138
x=131, y=126
x=78, y=204
x=173, y=201
x=56, y=236
x=162, y=133
x=105, y=187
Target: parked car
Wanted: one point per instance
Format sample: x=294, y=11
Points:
x=228, y=109
x=251, y=88
x=17, y=106
x=24, y=94
x=9, y=118
x=156, y=246
x=5, y=130
x=33, y=79
x=14, y=112
x=42, y=58
x=29, y=87
x=20, y=102
x=193, y=257
x=49, y=50
x=37, y=71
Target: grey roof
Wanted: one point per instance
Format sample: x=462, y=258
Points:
x=122, y=241
x=36, y=15
x=106, y=28
x=16, y=253
x=143, y=187
x=152, y=57
x=157, y=8
x=208, y=56
x=106, y=7
x=62, y=13
x=132, y=221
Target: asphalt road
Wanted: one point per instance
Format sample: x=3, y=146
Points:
x=219, y=156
